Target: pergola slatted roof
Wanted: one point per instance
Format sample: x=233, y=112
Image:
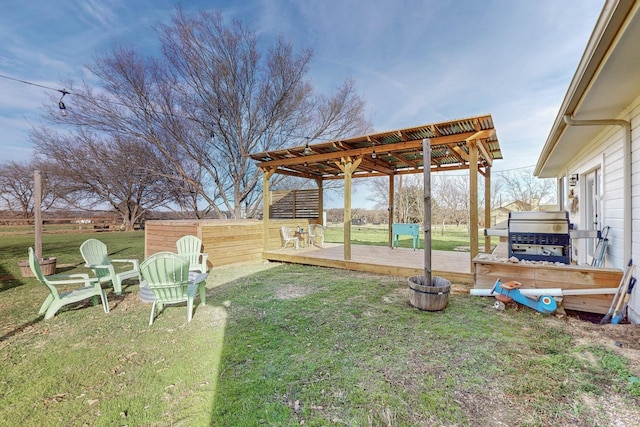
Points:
x=390, y=153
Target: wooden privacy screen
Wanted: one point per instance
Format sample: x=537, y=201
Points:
x=291, y=204
x=226, y=242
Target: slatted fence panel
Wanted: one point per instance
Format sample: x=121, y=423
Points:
x=292, y=204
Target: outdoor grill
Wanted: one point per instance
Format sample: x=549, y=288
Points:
x=540, y=236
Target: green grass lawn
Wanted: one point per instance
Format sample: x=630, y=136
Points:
x=454, y=238
x=285, y=345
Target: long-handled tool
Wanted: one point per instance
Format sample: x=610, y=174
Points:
x=622, y=295
x=617, y=297
x=619, y=317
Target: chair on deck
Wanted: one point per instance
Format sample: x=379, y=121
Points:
x=85, y=288
x=97, y=259
x=190, y=247
x=289, y=235
x=167, y=275
x=316, y=234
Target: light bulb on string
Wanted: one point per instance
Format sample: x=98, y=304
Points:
x=61, y=106
x=307, y=149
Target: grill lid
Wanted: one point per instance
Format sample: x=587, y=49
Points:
x=539, y=222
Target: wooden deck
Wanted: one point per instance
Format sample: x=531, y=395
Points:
x=453, y=266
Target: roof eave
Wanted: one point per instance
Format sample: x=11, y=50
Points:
x=611, y=19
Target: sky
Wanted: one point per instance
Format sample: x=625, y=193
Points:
x=414, y=62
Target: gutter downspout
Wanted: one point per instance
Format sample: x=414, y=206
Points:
x=626, y=171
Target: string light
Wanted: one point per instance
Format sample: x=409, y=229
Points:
x=63, y=108
x=307, y=149
x=61, y=105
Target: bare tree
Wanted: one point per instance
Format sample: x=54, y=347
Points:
x=408, y=197
x=17, y=188
x=452, y=196
x=251, y=102
x=209, y=103
x=92, y=171
x=211, y=100
x=412, y=197
x=526, y=191
x=379, y=192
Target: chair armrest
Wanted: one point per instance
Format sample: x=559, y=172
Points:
x=70, y=279
x=83, y=276
x=135, y=262
x=200, y=277
x=98, y=265
x=204, y=258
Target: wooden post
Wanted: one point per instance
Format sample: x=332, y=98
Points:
x=400, y=199
x=266, y=175
x=426, y=157
x=37, y=209
x=320, y=184
x=392, y=179
x=487, y=207
x=347, y=166
x=347, y=210
x=473, y=201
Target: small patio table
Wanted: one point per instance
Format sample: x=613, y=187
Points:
x=303, y=236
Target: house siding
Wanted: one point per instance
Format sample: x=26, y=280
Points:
x=606, y=152
x=634, y=303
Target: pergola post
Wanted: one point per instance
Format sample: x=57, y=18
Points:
x=320, y=184
x=392, y=180
x=266, y=176
x=347, y=211
x=487, y=208
x=473, y=200
x=347, y=165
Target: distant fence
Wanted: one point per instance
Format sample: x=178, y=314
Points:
x=60, y=224
x=72, y=220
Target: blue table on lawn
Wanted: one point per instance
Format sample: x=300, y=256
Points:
x=412, y=230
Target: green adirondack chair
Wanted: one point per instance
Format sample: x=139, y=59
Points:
x=97, y=259
x=85, y=288
x=190, y=247
x=167, y=275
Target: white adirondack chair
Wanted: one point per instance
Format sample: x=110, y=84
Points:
x=289, y=236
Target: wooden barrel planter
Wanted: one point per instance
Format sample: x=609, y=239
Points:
x=47, y=266
x=429, y=298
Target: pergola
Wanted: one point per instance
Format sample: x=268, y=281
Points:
x=469, y=143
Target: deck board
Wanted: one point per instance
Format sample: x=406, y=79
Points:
x=453, y=266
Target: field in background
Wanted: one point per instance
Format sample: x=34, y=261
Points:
x=454, y=238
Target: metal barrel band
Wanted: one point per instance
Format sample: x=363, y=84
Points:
x=430, y=293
